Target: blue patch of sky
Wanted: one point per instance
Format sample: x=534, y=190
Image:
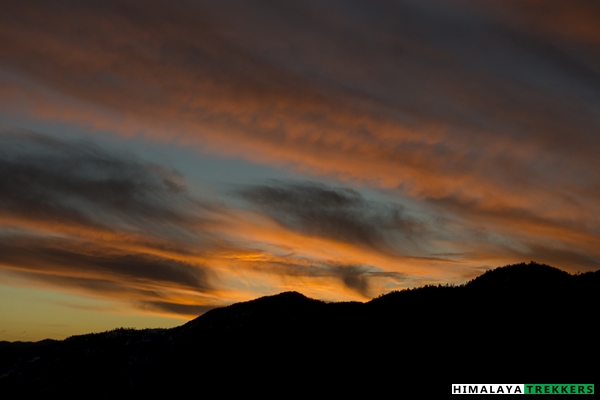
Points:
x=208, y=176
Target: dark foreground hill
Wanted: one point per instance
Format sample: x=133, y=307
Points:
x=519, y=323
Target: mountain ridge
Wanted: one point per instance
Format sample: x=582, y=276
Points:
x=514, y=309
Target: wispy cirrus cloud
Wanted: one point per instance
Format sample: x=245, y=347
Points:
x=339, y=214
x=79, y=184
x=69, y=257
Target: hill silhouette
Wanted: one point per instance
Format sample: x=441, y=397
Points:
x=529, y=277
x=524, y=322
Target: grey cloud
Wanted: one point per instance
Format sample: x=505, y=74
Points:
x=113, y=289
x=359, y=278
x=80, y=184
x=354, y=278
x=70, y=257
x=152, y=300
x=340, y=214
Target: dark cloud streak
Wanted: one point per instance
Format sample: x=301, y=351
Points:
x=70, y=257
x=341, y=214
x=80, y=184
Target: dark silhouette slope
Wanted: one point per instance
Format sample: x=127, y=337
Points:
x=525, y=322
x=522, y=277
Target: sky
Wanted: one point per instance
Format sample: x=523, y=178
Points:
x=159, y=159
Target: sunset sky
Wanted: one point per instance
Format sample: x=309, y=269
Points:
x=159, y=159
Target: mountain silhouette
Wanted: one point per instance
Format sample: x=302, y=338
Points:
x=524, y=322
x=528, y=277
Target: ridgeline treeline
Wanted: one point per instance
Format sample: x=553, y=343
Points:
x=519, y=323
